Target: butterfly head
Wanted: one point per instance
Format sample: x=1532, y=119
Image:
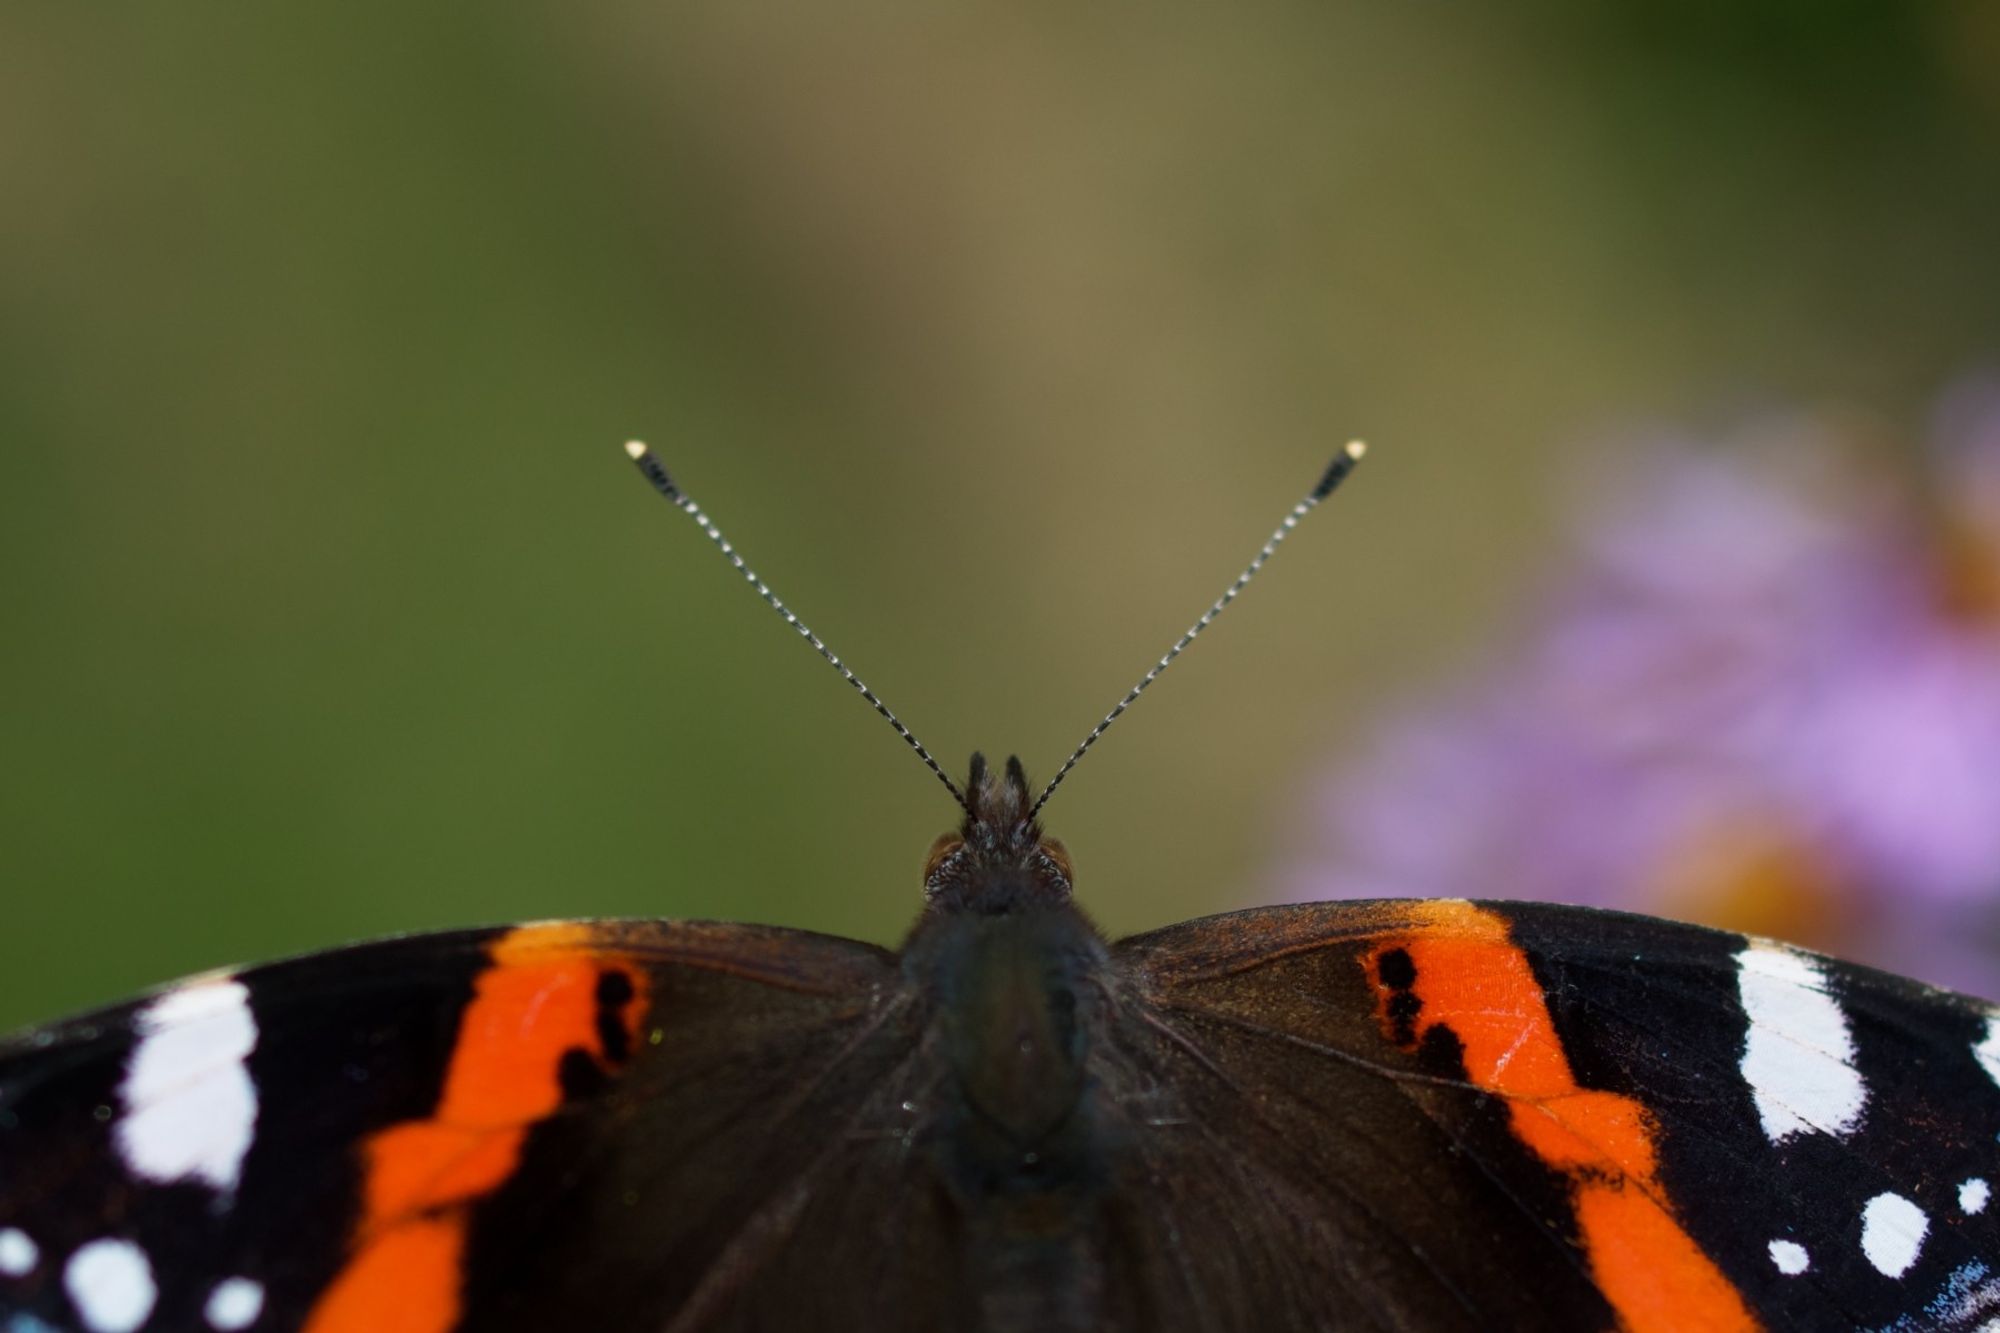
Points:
x=998, y=859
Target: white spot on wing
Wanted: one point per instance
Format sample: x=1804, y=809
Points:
x=1892, y=1232
x=111, y=1285
x=1798, y=1053
x=1973, y=1196
x=1790, y=1257
x=18, y=1252
x=190, y=1107
x=1987, y=1049
x=235, y=1303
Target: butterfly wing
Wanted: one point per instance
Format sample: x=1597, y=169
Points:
x=564, y=1125
x=1448, y=1114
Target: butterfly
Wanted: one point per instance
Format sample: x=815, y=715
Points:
x=1373, y=1115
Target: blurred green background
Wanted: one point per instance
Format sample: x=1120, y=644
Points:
x=998, y=337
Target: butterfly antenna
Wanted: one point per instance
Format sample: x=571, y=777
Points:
x=1336, y=472
x=665, y=485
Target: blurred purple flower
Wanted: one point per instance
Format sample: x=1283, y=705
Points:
x=1766, y=694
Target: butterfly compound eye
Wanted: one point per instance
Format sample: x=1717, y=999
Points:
x=1059, y=856
x=947, y=846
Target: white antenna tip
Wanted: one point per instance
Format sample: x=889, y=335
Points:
x=1355, y=449
x=635, y=450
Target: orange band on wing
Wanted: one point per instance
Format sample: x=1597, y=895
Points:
x=538, y=1002
x=1472, y=978
x=403, y=1281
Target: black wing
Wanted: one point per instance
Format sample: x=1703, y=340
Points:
x=1441, y=1114
x=573, y=1125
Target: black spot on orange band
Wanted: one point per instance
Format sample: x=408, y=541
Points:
x=550, y=1019
x=1478, y=998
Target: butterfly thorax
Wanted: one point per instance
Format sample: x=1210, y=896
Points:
x=1016, y=999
